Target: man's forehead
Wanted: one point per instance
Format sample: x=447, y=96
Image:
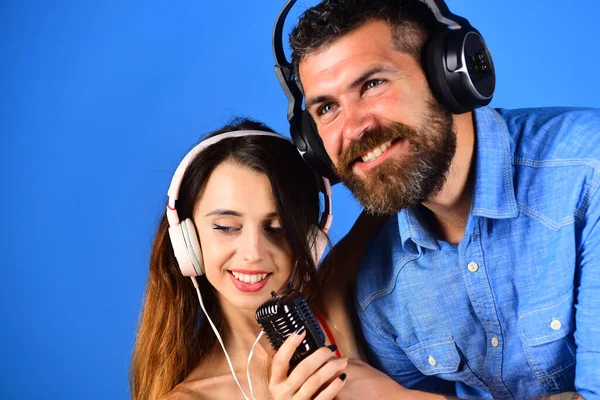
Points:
x=371, y=39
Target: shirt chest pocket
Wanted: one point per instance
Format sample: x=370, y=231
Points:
x=547, y=337
x=441, y=358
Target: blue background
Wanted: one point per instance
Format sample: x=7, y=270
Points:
x=98, y=102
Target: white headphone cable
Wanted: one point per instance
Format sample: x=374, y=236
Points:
x=249, y=358
x=221, y=340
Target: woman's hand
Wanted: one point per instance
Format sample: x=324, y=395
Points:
x=319, y=376
x=369, y=383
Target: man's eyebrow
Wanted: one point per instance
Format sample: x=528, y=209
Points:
x=370, y=72
x=357, y=82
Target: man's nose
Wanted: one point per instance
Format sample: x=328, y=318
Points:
x=357, y=121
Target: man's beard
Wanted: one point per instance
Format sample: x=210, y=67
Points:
x=418, y=175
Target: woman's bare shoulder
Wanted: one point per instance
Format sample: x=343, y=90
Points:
x=182, y=393
x=200, y=389
x=366, y=382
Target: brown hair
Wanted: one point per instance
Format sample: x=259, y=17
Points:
x=412, y=23
x=172, y=336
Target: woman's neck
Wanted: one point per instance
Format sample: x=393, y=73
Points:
x=240, y=329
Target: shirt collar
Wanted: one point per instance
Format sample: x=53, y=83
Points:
x=410, y=225
x=493, y=192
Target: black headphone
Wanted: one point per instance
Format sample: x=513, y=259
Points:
x=458, y=66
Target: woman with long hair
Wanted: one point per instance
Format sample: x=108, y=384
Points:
x=246, y=222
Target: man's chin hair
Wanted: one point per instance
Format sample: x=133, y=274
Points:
x=380, y=210
x=389, y=197
x=391, y=190
x=379, y=205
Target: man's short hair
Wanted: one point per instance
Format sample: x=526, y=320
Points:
x=412, y=23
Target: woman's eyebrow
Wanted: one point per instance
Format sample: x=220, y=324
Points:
x=219, y=211
x=224, y=212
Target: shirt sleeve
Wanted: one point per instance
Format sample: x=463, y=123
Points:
x=385, y=355
x=587, y=314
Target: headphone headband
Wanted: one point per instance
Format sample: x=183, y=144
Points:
x=173, y=192
x=444, y=16
x=183, y=234
x=438, y=7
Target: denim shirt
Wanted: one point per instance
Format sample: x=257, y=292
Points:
x=513, y=310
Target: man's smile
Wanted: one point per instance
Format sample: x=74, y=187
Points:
x=376, y=152
x=380, y=153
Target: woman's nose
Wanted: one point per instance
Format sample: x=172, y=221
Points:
x=253, y=247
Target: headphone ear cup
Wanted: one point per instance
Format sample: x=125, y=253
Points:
x=190, y=237
x=315, y=154
x=319, y=241
x=474, y=85
x=460, y=69
x=180, y=251
x=437, y=72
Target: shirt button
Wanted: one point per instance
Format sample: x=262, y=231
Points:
x=472, y=266
x=432, y=361
x=555, y=324
x=495, y=341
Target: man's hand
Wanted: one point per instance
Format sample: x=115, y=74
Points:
x=560, y=396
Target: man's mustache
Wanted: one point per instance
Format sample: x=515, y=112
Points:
x=371, y=139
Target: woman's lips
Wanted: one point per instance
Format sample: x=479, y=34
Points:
x=249, y=287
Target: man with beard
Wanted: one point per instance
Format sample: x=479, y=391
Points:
x=484, y=282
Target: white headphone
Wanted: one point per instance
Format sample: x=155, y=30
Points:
x=183, y=233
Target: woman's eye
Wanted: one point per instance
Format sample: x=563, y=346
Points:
x=274, y=230
x=223, y=228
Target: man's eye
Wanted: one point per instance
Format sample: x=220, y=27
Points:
x=325, y=108
x=372, y=83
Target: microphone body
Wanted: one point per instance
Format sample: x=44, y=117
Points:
x=283, y=315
